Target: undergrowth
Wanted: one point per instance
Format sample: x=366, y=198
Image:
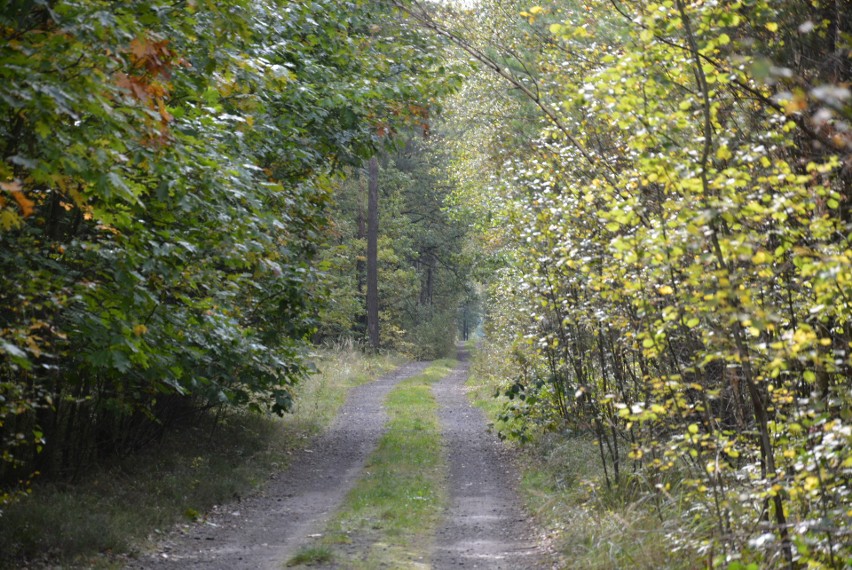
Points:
x=312, y=555
x=115, y=510
x=563, y=484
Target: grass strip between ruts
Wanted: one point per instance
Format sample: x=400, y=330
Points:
x=389, y=518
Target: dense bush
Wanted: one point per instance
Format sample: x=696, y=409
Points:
x=678, y=236
x=164, y=177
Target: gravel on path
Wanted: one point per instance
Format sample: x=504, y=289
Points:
x=264, y=530
x=485, y=526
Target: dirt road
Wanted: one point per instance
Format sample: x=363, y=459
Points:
x=483, y=528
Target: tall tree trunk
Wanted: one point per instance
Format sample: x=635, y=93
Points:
x=464, y=324
x=373, y=253
x=426, y=280
x=361, y=264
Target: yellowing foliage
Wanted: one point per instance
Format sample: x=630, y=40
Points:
x=680, y=263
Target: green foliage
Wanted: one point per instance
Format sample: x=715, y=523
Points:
x=165, y=175
x=434, y=336
x=312, y=555
x=677, y=242
x=424, y=266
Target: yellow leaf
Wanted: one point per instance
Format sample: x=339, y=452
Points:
x=665, y=290
x=772, y=26
x=760, y=257
x=25, y=203
x=9, y=219
x=33, y=346
x=724, y=153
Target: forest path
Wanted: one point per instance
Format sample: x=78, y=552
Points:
x=483, y=526
x=262, y=531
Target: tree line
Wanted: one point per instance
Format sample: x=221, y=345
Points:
x=193, y=192
x=167, y=177
x=668, y=213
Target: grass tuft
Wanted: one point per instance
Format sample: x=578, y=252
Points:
x=311, y=555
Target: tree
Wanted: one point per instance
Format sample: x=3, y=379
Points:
x=163, y=188
x=373, y=253
x=423, y=266
x=675, y=232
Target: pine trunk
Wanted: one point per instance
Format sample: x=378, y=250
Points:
x=373, y=253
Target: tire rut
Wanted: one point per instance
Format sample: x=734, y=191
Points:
x=265, y=529
x=485, y=526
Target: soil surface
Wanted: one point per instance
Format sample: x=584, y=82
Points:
x=263, y=531
x=484, y=526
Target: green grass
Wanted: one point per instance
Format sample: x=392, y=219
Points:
x=119, y=508
x=389, y=517
x=563, y=484
x=318, y=400
x=312, y=555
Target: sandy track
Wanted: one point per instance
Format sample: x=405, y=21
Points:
x=266, y=529
x=485, y=526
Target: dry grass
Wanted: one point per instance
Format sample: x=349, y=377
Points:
x=116, y=509
x=589, y=526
